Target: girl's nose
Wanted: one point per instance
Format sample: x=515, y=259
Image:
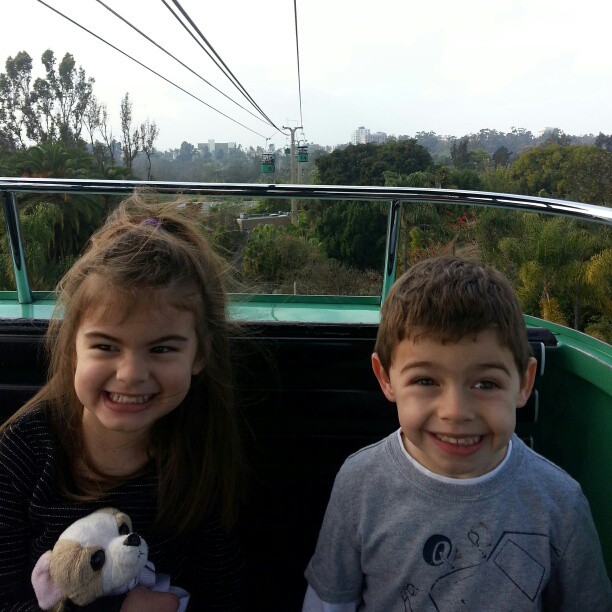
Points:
x=455, y=406
x=132, y=369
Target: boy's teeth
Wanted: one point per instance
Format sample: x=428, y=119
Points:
x=460, y=441
x=118, y=398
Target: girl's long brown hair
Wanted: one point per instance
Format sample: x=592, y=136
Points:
x=145, y=247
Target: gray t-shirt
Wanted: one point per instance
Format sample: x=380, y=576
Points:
x=522, y=539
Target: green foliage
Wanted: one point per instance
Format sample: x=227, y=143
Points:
x=499, y=179
x=287, y=260
x=322, y=276
x=581, y=173
x=367, y=164
x=560, y=268
x=51, y=109
x=460, y=154
x=604, y=141
x=271, y=205
x=37, y=232
x=354, y=233
x=54, y=160
x=501, y=156
x=271, y=252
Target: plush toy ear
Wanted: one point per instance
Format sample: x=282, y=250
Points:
x=47, y=592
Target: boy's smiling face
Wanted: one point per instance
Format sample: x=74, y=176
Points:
x=456, y=402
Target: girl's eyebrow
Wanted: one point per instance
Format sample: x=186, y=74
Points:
x=170, y=338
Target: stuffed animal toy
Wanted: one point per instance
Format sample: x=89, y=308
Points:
x=98, y=555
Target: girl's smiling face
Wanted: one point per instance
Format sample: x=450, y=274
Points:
x=134, y=366
x=456, y=402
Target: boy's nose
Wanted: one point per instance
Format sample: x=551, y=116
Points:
x=455, y=406
x=132, y=369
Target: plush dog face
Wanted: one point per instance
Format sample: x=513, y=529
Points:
x=97, y=555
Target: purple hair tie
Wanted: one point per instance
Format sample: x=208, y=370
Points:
x=151, y=221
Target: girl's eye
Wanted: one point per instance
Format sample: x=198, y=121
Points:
x=486, y=385
x=103, y=347
x=161, y=350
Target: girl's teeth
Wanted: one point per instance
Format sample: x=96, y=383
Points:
x=118, y=398
x=460, y=441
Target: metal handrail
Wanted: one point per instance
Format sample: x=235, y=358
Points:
x=577, y=210
x=396, y=196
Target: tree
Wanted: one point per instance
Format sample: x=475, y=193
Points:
x=130, y=139
x=354, y=233
x=63, y=97
x=460, y=154
x=367, y=164
x=148, y=136
x=502, y=156
x=582, y=173
x=604, y=142
x=558, y=137
x=18, y=122
x=52, y=109
x=186, y=153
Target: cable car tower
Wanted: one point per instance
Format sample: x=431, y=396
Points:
x=292, y=131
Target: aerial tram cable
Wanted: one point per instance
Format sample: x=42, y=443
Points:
x=297, y=49
x=147, y=68
x=223, y=69
x=108, y=8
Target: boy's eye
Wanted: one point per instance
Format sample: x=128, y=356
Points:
x=486, y=385
x=424, y=382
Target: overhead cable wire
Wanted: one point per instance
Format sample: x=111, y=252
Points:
x=297, y=49
x=217, y=59
x=147, y=68
x=108, y=8
x=223, y=67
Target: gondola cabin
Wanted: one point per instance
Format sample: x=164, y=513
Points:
x=267, y=163
x=306, y=392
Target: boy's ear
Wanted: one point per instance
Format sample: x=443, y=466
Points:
x=527, y=382
x=382, y=377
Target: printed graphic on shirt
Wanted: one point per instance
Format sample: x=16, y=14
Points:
x=452, y=575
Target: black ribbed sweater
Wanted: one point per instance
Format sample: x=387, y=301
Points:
x=33, y=514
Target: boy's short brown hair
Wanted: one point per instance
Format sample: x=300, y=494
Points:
x=446, y=299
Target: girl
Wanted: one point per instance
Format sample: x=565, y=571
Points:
x=137, y=414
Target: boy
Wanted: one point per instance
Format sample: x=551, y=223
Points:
x=453, y=511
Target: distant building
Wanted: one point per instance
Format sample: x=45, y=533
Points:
x=378, y=138
x=219, y=150
x=360, y=136
x=363, y=136
x=248, y=221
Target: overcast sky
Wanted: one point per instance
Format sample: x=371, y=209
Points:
x=396, y=66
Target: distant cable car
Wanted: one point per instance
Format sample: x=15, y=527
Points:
x=302, y=154
x=267, y=163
